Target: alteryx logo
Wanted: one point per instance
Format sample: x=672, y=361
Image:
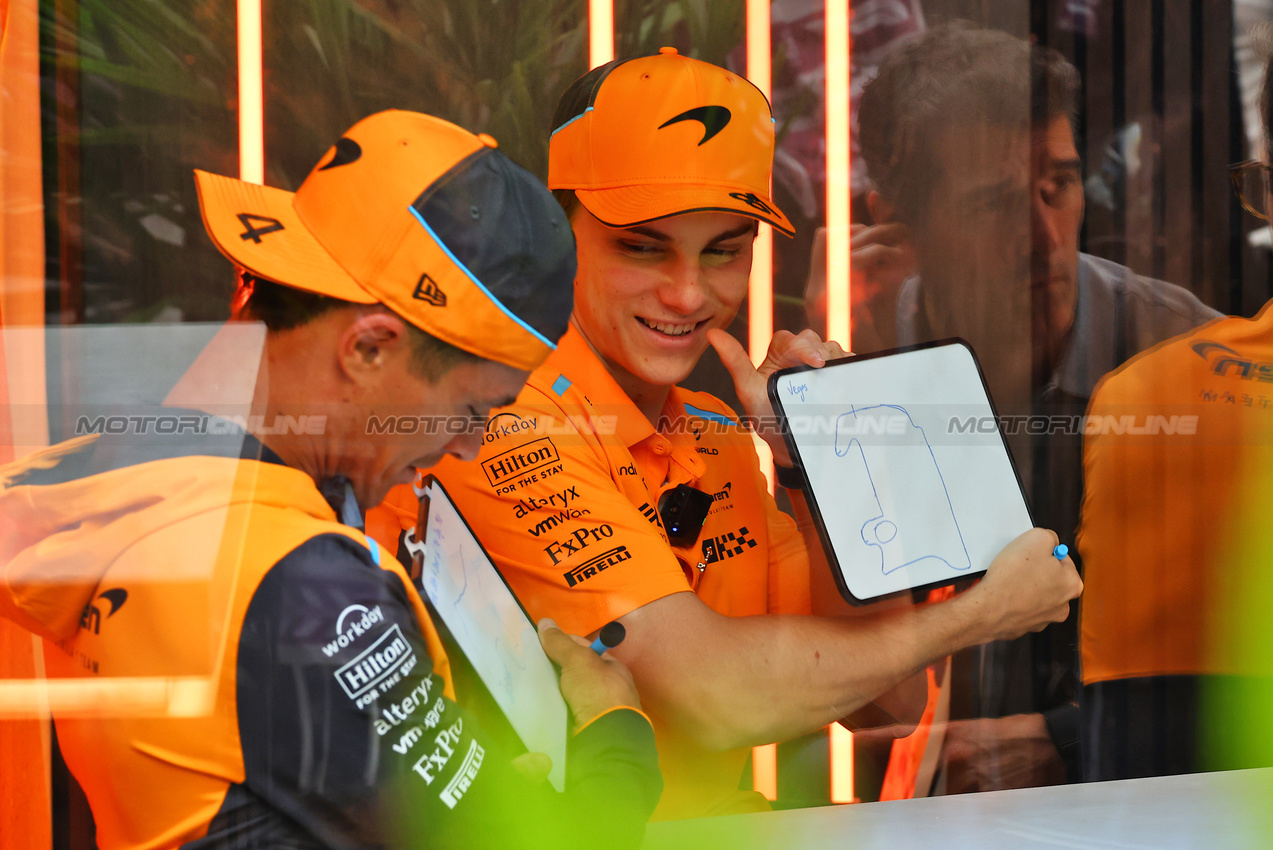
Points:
x=1228, y=363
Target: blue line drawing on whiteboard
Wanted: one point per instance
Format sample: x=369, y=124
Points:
x=906, y=514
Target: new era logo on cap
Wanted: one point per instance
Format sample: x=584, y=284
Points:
x=427, y=290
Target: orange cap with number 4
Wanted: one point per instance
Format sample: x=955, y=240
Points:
x=665, y=135
x=415, y=213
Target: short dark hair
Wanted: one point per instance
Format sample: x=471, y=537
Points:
x=953, y=73
x=282, y=308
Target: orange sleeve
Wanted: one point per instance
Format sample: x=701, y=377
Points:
x=569, y=543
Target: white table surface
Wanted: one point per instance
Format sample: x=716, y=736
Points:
x=1212, y=811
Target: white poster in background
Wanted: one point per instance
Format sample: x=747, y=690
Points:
x=906, y=465
x=499, y=640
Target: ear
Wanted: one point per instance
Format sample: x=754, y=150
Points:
x=881, y=210
x=369, y=343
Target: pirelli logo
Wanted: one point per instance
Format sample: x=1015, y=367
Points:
x=525, y=458
x=593, y=566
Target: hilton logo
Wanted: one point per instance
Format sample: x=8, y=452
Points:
x=525, y=458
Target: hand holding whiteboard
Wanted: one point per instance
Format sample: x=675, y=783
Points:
x=909, y=480
x=494, y=632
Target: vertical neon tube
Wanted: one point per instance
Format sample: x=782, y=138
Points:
x=760, y=290
x=839, y=198
x=251, y=94
x=600, y=32
x=841, y=764
x=839, y=193
x=764, y=770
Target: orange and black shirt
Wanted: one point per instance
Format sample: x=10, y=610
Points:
x=565, y=498
x=308, y=697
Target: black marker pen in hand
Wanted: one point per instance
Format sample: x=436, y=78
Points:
x=611, y=635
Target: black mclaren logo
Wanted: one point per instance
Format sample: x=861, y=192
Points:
x=752, y=200
x=427, y=290
x=713, y=119
x=347, y=151
x=91, y=619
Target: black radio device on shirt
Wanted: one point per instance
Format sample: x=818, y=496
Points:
x=683, y=511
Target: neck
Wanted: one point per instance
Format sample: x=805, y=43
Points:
x=648, y=398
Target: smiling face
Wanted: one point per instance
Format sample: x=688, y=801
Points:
x=646, y=296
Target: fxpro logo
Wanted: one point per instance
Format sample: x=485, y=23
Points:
x=1226, y=362
x=525, y=458
x=594, y=566
x=377, y=664
x=579, y=539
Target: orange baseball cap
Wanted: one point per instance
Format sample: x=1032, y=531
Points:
x=665, y=135
x=420, y=215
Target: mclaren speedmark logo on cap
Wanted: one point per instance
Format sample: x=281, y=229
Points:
x=713, y=118
x=347, y=151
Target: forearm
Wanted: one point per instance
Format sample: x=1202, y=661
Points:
x=751, y=680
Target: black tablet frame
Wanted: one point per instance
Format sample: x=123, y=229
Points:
x=811, y=499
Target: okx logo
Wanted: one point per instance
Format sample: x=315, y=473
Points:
x=1226, y=362
x=727, y=545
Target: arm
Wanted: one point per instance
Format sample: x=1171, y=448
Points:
x=748, y=680
x=351, y=753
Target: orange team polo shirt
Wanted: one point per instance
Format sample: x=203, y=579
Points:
x=564, y=498
x=1169, y=437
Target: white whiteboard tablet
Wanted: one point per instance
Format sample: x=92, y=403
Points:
x=497, y=637
x=907, y=474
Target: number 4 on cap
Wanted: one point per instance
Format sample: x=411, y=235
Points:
x=250, y=220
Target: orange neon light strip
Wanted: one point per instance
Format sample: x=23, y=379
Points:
x=841, y=764
x=839, y=194
x=251, y=94
x=760, y=291
x=839, y=328
x=764, y=770
x=600, y=32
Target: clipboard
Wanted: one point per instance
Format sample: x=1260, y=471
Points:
x=492, y=630
x=906, y=470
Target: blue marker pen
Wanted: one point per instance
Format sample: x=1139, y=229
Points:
x=612, y=634
x=1061, y=551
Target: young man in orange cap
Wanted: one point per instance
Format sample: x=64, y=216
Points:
x=415, y=269
x=663, y=165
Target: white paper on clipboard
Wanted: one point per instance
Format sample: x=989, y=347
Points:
x=497, y=637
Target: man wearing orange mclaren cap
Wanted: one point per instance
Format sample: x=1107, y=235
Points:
x=585, y=487
x=415, y=269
